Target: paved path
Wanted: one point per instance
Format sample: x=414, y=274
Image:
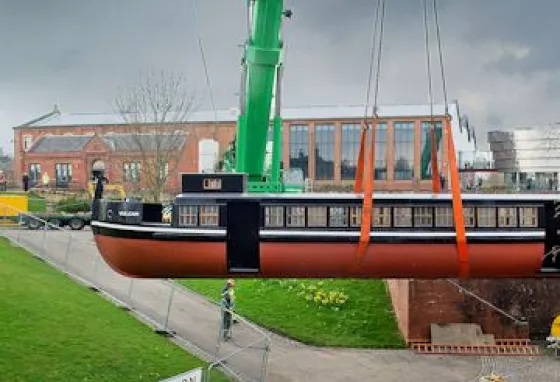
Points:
x=196, y=320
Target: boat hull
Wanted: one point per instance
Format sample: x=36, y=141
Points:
x=196, y=258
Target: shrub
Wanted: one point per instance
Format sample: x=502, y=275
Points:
x=73, y=205
x=316, y=293
x=313, y=292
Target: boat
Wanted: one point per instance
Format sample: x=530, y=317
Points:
x=244, y=224
x=412, y=235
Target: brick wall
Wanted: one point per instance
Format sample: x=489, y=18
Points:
x=419, y=303
x=398, y=290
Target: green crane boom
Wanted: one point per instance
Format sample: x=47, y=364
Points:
x=260, y=84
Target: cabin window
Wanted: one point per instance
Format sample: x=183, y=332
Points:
x=507, y=217
x=338, y=217
x=486, y=216
x=403, y=216
x=274, y=216
x=444, y=217
x=423, y=217
x=209, y=216
x=381, y=217
x=468, y=216
x=317, y=216
x=295, y=216
x=188, y=216
x=355, y=216
x=528, y=217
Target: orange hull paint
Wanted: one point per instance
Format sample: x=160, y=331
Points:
x=181, y=259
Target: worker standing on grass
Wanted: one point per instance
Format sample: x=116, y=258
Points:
x=228, y=304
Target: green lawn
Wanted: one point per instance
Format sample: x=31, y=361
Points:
x=363, y=316
x=53, y=329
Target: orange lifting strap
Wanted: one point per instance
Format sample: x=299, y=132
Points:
x=360, y=170
x=457, y=205
x=368, y=190
x=435, y=171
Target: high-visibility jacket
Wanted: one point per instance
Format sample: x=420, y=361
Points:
x=46, y=179
x=228, y=298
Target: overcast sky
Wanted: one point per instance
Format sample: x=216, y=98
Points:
x=502, y=57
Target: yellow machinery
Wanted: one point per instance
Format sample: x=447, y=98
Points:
x=555, y=328
x=12, y=205
x=10, y=208
x=115, y=188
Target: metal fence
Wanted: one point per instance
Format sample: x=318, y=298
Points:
x=169, y=308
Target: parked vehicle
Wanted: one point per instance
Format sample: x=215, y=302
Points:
x=76, y=221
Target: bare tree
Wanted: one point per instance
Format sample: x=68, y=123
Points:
x=153, y=110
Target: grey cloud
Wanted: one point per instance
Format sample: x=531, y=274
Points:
x=79, y=53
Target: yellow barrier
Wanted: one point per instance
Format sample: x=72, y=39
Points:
x=13, y=204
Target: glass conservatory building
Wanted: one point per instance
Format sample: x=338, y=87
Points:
x=529, y=157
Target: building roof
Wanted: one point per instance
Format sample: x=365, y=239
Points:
x=115, y=142
x=61, y=143
x=463, y=134
x=230, y=115
x=149, y=142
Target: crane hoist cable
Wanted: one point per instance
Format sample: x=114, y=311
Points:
x=433, y=141
x=205, y=65
x=438, y=37
x=364, y=125
x=369, y=170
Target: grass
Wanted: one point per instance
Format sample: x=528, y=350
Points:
x=365, y=319
x=56, y=330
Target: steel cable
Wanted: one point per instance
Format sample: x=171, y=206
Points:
x=204, y=63
x=372, y=59
x=438, y=37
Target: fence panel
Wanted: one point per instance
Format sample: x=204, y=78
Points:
x=169, y=308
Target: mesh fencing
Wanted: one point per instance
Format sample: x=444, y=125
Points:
x=170, y=309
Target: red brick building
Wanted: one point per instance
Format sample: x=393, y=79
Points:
x=322, y=141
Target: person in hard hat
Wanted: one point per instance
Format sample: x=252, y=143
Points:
x=228, y=304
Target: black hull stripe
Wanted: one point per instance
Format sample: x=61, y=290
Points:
x=287, y=238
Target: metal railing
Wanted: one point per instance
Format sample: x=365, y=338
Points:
x=169, y=308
